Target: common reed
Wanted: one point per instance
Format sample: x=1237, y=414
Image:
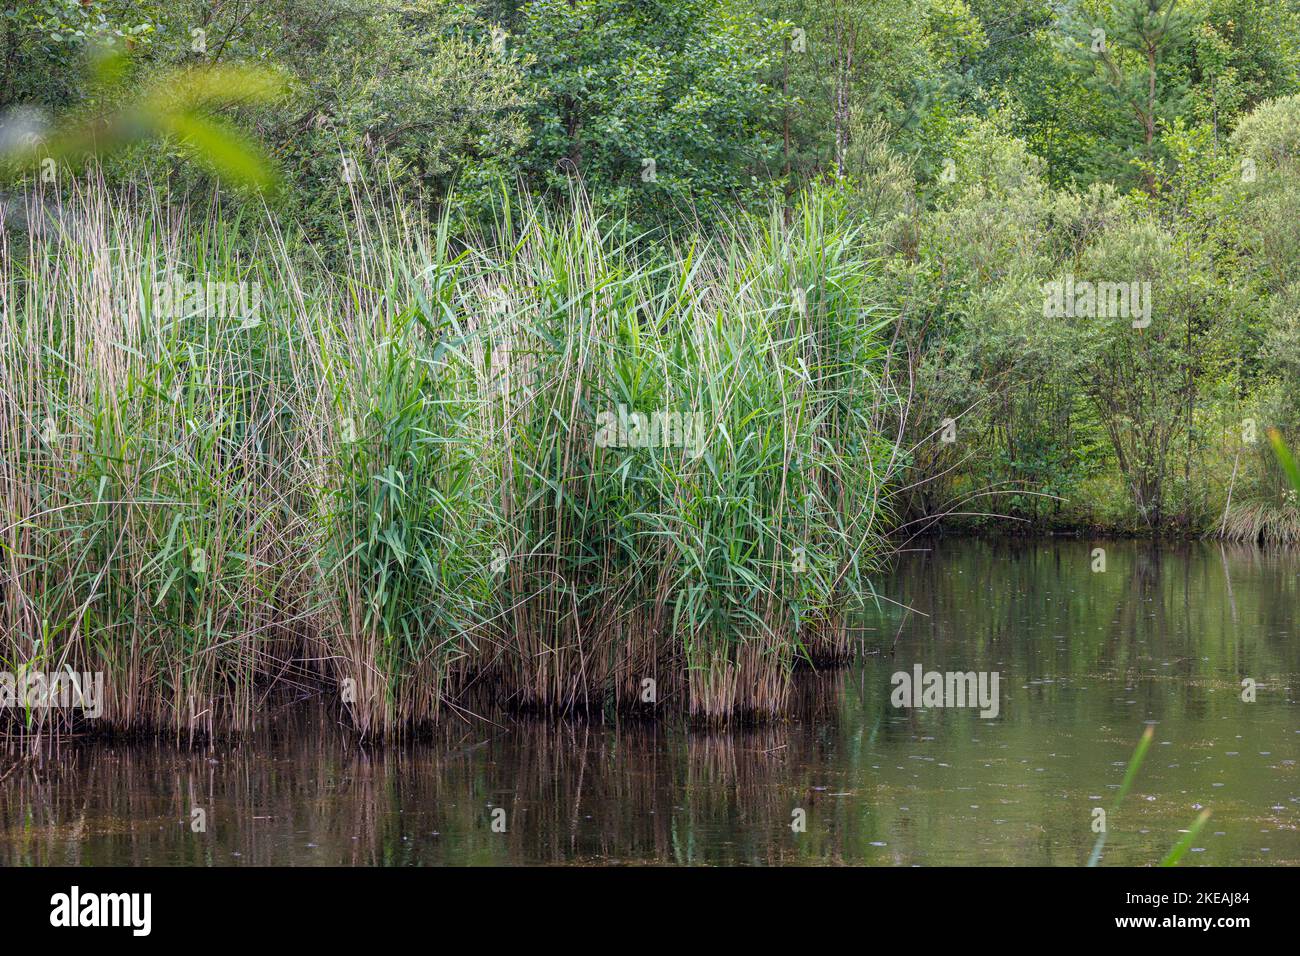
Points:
x=534, y=464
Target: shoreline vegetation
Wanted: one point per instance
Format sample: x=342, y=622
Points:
x=599, y=356
x=384, y=483
x=532, y=466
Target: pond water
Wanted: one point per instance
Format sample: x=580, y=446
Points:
x=1085, y=659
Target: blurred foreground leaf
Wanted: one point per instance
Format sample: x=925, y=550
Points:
x=176, y=106
x=1285, y=458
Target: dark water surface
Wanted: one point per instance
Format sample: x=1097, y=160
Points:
x=1085, y=659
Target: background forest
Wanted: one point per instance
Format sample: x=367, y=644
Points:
x=984, y=149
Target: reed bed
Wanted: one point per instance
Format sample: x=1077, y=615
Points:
x=534, y=466
x=1264, y=522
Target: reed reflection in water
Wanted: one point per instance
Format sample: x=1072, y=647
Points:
x=1086, y=660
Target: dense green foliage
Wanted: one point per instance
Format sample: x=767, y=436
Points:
x=655, y=188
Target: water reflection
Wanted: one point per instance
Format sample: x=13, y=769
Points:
x=1163, y=635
